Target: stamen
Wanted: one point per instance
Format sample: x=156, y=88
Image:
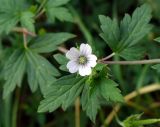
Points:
x=82, y=60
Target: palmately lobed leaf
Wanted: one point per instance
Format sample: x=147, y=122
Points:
x=14, y=70
x=63, y=93
x=109, y=90
x=10, y=11
x=133, y=53
x=131, y=30
x=49, y=42
x=40, y=71
x=56, y=3
x=90, y=102
x=136, y=27
x=56, y=10
x=111, y=32
x=27, y=20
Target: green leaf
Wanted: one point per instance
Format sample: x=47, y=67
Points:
x=156, y=67
x=27, y=20
x=128, y=122
x=134, y=121
x=100, y=66
x=54, y=9
x=7, y=22
x=133, y=53
x=13, y=71
x=40, y=71
x=131, y=30
x=49, y=42
x=109, y=90
x=10, y=14
x=111, y=32
x=61, y=59
x=12, y=5
x=60, y=13
x=157, y=39
x=134, y=28
x=63, y=68
x=56, y=3
x=90, y=101
x=63, y=93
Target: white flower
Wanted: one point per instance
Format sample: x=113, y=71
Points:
x=81, y=60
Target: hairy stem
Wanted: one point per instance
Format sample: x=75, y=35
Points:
x=25, y=40
x=108, y=57
x=62, y=49
x=23, y=30
x=152, y=61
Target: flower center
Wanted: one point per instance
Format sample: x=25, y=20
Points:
x=82, y=60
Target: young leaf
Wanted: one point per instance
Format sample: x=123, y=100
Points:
x=13, y=71
x=40, y=71
x=49, y=42
x=63, y=93
x=62, y=60
x=90, y=102
x=128, y=121
x=109, y=90
x=134, y=121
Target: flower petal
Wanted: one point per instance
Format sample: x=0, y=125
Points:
x=84, y=70
x=85, y=49
x=72, y=54
x=72, y=66
x=92, y=57
x=92, y=60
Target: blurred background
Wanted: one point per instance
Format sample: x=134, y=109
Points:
x=21, y=106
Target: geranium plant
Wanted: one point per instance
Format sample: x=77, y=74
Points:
x=41, y=49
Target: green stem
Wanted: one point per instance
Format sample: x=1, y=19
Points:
x=142, y=76
x=15, y=109
x=41, y=7
x=118, y=73
x=82, y=27
x=7, y=111
x=101, y=114
x=114, y=10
